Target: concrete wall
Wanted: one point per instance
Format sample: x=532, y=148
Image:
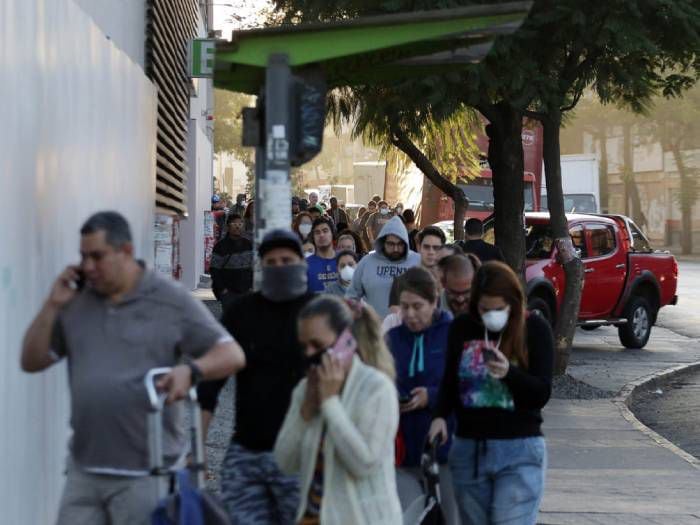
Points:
x=123, y=22
x=78, y=135
x=200, y=178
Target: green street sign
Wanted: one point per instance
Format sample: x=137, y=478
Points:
x=201, y=58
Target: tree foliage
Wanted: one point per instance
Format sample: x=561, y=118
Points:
x=228, y=127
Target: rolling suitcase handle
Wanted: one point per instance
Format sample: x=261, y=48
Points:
x=156, y=461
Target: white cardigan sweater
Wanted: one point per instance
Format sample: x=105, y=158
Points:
x=359, y=480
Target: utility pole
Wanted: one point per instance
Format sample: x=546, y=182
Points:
x=273, y=192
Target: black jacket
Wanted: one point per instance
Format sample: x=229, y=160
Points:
x=231, y=266
x=483, y=250
x=267, y=332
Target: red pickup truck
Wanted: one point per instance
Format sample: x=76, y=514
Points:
x=625, y=280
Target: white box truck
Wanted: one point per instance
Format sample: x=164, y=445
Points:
x=580, y=183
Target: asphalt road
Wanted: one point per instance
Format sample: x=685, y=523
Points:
x=672, y=411
x=672, y=408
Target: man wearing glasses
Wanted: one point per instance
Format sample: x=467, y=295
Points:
x=457, y=272
x=376, y=272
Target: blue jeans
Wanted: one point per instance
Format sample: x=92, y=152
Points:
x=498, y=481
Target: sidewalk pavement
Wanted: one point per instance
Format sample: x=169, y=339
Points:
x=602, y=467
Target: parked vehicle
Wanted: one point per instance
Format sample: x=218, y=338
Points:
x=580, y=182
x=626, y=282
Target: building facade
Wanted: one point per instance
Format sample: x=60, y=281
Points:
x=84, y=129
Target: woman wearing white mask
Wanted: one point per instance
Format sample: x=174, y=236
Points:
x=347, y=262
x=498, y=377
x=302, y=226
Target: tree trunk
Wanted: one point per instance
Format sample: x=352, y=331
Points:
x=505, y=156
x=687, y=197
x=461, y=205
x=401, y=140
x=603, y=174
x=633, y=203
x=573, y=268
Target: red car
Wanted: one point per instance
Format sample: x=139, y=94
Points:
x=626, y=282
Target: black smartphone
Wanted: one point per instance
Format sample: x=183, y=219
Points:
x=405, y=399
x=80, y=281
x=489, y=355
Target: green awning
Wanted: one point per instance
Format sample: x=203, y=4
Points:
x=369, y=50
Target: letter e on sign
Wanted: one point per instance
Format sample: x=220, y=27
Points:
x=201, y=58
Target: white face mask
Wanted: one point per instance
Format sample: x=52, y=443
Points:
x=347, y=273
x=496, y=320
x=305, y=229
x=308, y=254
x=383, y=211
x=399, y=210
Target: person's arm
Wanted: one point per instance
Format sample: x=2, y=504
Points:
x=207, y=344
x=363, y=442
x=356, y=290
x=532, y=388
x=45, y=331
x=448, y=388
x=288, y=450
x=208, y=398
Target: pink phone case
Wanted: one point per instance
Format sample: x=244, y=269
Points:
x=345, y=347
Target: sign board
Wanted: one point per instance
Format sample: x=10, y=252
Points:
x=200, y=58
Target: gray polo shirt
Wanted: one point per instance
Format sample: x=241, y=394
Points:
x=110, y=347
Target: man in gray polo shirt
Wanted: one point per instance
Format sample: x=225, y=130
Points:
x=123, y=322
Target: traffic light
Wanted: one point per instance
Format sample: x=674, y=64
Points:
x=308, y=118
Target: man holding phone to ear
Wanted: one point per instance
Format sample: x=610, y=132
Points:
x=126, y=320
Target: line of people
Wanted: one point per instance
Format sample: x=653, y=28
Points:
x=341, y=360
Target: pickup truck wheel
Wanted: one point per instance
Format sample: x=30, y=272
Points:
x=539, y=306
x=635, y=333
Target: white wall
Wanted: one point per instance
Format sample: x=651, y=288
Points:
x=200, y=160
x=123, y=22
x=77, y=135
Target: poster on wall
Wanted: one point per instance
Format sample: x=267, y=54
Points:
x=163, y=244
x=209, y=238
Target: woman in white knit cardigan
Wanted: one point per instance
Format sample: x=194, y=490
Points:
x=339, y=431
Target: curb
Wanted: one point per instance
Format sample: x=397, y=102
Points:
x=631, y=390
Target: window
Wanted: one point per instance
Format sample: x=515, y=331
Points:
x=579, y=240
x=538, y=241
x=602, y=239
x=639, y=242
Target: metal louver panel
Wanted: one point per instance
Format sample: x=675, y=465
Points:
x=170, y=25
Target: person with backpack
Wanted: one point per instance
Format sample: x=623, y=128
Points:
x=498, y=378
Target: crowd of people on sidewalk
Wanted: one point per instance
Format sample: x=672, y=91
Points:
x=369, y=344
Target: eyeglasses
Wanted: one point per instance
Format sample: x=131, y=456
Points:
x=431, y=247
x=393, y=245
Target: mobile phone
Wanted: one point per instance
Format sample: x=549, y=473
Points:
x=344, y=347
x=80, y=281
x=405, y=399
x=489, y=355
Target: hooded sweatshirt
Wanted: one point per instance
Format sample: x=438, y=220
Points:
x=420, y=362
x=375, y=273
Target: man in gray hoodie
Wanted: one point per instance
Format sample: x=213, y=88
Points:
x=376, y=272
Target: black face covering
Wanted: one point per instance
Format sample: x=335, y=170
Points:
x=284, y=283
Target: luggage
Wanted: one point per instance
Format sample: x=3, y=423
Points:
x=183, y=500
x=427, y=510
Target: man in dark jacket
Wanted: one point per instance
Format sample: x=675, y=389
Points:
x=265, y=323
x=231, y=266
x=474, y=243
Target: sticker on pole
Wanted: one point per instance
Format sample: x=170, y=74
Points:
x=277, y=205
x=200, y=58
